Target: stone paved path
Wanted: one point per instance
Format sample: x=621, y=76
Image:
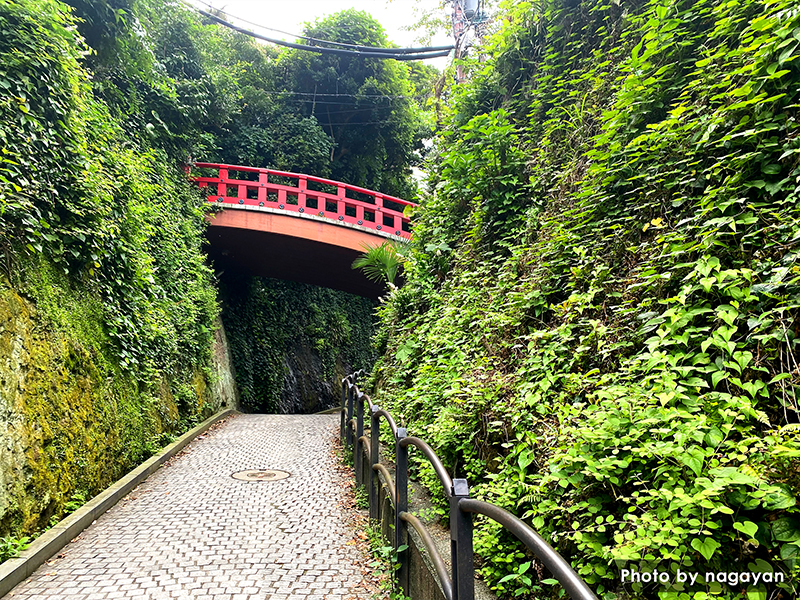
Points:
x=192, y=531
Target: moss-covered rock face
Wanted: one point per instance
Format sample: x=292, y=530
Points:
x=293, y=343
x=14, y=350
x=71, y=422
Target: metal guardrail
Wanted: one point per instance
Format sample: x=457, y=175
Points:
x=459, y=584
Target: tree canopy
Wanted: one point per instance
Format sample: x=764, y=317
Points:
x=367, y=107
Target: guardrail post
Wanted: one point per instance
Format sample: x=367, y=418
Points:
x=343, y=412
x=350, y=394
x=302, y=186
x=359, y=432
x=222, y=188
x=461, y=544
x=374, y=458
x=341, y=195
x=263, y=180
x=401, y=506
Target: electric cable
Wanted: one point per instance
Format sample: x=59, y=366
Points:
x=340, y=44
x=321, y=50
x=339, y=95
x=324, y=102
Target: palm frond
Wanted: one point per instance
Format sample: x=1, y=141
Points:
x=380, y=263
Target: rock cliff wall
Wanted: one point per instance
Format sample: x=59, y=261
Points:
x=293, y=343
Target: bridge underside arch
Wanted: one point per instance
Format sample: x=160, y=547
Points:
x=303, y=249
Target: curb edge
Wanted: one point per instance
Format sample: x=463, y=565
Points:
x=15, y=570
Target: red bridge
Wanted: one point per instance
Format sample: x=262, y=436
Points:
x=298, y=227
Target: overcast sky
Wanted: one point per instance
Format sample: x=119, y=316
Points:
x=289, y=15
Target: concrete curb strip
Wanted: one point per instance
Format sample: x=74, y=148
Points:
x=16, y=570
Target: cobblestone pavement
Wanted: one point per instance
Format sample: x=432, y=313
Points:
x=192, y=531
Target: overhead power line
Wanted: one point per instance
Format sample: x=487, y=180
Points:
x=339, y=44
x=359, y=123
x=339, y=95
x=310, y=101
x=341, y=103
x=368, y=52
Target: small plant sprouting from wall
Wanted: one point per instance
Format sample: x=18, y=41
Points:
x=381, y=264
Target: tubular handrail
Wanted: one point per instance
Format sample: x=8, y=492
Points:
x=462, y=507
x=379, y=468
x=436, y=463
x=433, y=552
x=552, y=560
x=363, y=396
x=389, y=419
x=364, y=441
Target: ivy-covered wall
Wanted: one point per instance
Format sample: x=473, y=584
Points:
x=599, y=326
x=107, y=309
x=292, y=343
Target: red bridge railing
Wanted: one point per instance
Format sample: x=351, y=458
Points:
x=304, y=194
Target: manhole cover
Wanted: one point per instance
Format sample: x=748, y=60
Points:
x=260, y=475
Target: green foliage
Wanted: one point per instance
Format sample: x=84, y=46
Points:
x=598, y=326
x=157, y=99
x=366, y=106
x=77, y=500
x=380, y=263
x=386, y=562
x=122, y=221
x=259, y=125
x=10, y=547
x=268, y=320
x=41, y=132
x=362, y=498
x=481, y=174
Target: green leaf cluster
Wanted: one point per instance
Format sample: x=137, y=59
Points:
x=10, y=547
x=381, y=264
